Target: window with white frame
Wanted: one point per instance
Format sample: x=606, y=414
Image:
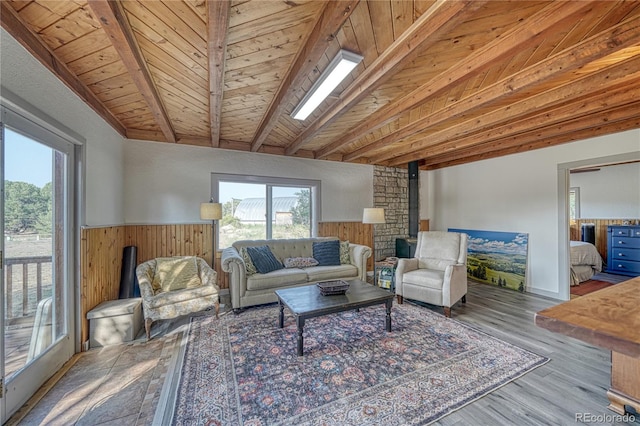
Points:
x=258, y=207
x=574, y=203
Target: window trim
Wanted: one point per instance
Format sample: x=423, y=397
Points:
x=312, y=184
x=576, y=191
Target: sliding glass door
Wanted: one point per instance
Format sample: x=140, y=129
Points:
x=37, y=257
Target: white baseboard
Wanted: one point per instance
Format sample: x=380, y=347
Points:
x=545, y=293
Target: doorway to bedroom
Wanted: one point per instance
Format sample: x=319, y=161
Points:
x=596, y=201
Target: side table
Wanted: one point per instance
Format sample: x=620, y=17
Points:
x=386, y=273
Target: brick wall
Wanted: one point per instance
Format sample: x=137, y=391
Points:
x=390, y=192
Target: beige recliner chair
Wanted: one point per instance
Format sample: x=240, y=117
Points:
x=174, y=286
x=438, y=272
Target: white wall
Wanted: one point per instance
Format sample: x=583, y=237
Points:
x=613, y=192
x=517, y=193
x=165, y=183
x=25, y=77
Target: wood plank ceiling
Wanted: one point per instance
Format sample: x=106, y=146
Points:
x=442, y=82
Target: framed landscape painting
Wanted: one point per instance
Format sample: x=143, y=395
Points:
x=498, y=258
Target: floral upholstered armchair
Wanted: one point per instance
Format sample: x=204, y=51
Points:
x=174, y=286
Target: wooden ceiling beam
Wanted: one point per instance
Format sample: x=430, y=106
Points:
x=518, y=38
x=264, y=149
x=569, y=100
x=217, y=29
x=557, y=139
x=12, y=23
x=116, y=26
x=441, y=17
x=596, y=47
x=331, y=19
x=588, y=110
x=507, y=136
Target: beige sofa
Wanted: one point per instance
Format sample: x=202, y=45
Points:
x=256, y=289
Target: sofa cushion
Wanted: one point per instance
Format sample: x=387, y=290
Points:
x=183, y=295
x=249, y=267
x=276, y=279
x=175, y=273
x=430, y=278
x=299, y=262
x=295, y=247
x=345, y=257
x=263, y=259
x=322, y=273
x=327, y=253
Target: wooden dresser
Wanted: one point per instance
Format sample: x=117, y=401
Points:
x=609, y=318
x=623, y=250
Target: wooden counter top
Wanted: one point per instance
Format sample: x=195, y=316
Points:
x=609, y=318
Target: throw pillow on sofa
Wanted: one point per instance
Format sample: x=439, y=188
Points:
x=176, y=273
x=264, y=259
x=327, y=253
x=249, y=267
x=300, y=262
x=345, y=257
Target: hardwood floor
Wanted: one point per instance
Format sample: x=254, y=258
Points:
x=574, y=381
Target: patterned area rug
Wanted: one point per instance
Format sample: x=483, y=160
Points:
x=243, y=370
x=589, y=286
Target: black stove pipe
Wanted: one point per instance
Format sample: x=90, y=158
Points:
x=414, y=218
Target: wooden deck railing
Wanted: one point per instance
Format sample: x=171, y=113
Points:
x=27, y=287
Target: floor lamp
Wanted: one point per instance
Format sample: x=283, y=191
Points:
x=373, y=215
x=211, y=211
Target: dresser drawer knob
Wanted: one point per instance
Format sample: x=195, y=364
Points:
x=619, y=266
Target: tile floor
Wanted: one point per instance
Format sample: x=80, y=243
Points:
x=116, y=385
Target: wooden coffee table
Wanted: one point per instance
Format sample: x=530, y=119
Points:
x=306, y=302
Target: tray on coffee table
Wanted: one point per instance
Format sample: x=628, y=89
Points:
x=329, y=288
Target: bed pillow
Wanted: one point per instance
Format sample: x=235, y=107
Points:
x=264, y=259
x=300, y=262
x=327, y=253
x=345, y=257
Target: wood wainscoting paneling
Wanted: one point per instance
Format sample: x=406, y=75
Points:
x=171, y=240
x=102, y=249
x=575, y=232
x=100, y=265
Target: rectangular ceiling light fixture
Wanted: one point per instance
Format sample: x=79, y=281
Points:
x=338, y=69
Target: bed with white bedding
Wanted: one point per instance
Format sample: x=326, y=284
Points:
x=585, y=261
